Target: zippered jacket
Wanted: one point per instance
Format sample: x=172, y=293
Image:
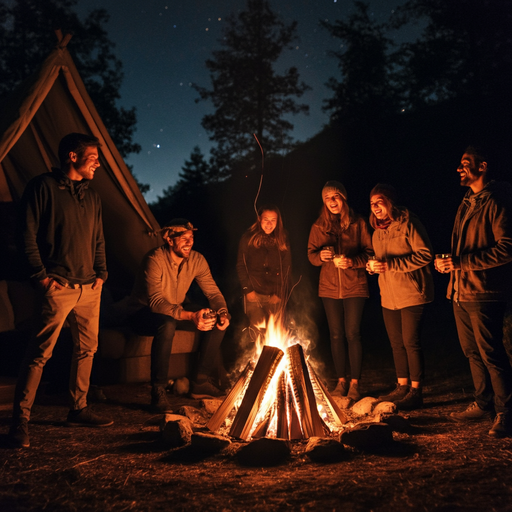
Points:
x=482, y=239
x=406, y=248
x=265, y=269
x=60, y=230
x=356, y=243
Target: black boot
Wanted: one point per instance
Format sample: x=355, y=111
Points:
x=413, y=400
x=159, y=402
x=398, y=393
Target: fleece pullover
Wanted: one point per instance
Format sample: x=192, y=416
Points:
x=61, y=231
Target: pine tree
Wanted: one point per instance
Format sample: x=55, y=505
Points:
x=365, y=91
x=463, y=52
x=249, y=97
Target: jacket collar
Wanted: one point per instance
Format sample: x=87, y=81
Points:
x=65, y=182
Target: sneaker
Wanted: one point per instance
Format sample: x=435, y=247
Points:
x=341, y=388
x=473, y=413
x=398, y=393
x=353, y=392
x=413, y=400
x=86, y=418
x=502, y=426
x=159, y=401
x=18, y=434
x=204, y=389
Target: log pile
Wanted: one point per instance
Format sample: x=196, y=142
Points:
x=281, y=397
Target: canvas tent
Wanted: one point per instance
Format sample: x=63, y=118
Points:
x=47, y=106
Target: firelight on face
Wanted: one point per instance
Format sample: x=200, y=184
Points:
x=379, y=207
x=468, y=171
x=268, y=221
x=182, y=245
x=334, y=202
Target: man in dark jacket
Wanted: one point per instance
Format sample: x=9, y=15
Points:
x=480, y=272
x=61, y=239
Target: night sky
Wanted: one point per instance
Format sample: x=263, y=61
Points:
x=163, y=45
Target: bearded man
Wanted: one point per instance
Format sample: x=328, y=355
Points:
x=61, y=241
x=480, y=283
x=158, y=300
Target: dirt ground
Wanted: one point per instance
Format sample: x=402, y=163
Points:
x=440, y=465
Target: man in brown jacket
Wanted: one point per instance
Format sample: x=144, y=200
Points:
x=480, y=271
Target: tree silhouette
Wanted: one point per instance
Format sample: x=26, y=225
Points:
x=464, y=52
x=247, y=94
x=27, y=37
x=366, y=89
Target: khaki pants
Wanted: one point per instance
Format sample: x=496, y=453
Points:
x=81, y=307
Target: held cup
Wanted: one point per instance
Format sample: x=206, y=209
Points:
x=443, y=256
x=337, y=259
x=372, y=260
x=329, y=248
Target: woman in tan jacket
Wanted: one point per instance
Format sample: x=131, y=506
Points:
x=403, y=252
x=340, y=242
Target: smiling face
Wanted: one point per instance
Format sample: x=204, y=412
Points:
x=268, y=221
x=182, y=245
x=333, y=201
x=468, y=170
x=379, y=207
x=84, y=167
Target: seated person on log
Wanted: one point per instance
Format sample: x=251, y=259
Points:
x=160, y=290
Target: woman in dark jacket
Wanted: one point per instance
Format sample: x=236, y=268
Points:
x=403, y=252
x=264, y=267
x=340, y=242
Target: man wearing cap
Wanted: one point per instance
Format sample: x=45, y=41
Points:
x=160, y=290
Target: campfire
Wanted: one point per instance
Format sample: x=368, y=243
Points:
x=279, y=396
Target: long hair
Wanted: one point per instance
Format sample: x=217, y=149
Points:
x=335, y=223
x=389, y=196
x=258, y=237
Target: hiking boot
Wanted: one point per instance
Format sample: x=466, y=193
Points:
x=86, y=418
x=341, y=388
x=18, y=434
x=399, y=393
x=502, y=426
x=473, y=413
x=413, y=400
x=159, y=401
x=353, y=392
x=204, y=389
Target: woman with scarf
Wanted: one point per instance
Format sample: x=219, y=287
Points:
x=264, y=268
x=340, y=243
x=403, y=252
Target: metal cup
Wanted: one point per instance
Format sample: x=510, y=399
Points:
x=329, y=248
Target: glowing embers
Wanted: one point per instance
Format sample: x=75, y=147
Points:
x=281, y=397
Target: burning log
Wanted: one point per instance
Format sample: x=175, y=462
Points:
x=312, y=424
x=337, y=415
x=227, y=406
x=249, y=408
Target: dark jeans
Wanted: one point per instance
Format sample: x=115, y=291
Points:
x=403, y=327
x=480, y=330
x=344, y=319
x=146, y=323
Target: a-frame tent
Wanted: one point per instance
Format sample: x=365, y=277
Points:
x=47, y=106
